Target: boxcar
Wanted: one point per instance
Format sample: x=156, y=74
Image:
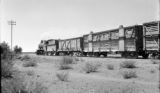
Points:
x=125, y=40
x=151, y=38
x=131, y=41
x=71, y=46
x=51, y=47
x=101, y=43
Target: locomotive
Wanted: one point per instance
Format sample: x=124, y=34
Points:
x=131, y=41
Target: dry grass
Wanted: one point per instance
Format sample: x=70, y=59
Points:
x=13, y=85
x=25, y=58
x=129, y=74
x=62, y=76
x=65, y=66
x=129, y=88
x=67, y=60
x=34, y=86
x=30, y=73
x=76, y=59
x=90, y=67
x=30, y=63
x=65, y=63
x=12, y=80
x=152, y=71
x=110, y=66
x=159, y=84
x=128, y=64
x=155, y=61
x=6, y=68
x=19, y=84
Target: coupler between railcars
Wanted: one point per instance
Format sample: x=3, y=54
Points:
x=129, y=54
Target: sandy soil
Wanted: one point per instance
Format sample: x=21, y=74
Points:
x=102, y=81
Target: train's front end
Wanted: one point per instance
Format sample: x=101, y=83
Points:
x=41, y=48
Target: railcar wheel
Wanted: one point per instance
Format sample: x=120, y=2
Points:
x=123, y=55
x=60, y=54
x=49, y=53
x=46, y=53
x=106, y=55
x=84, y=54
x=101, y=55
x=134, y=55
x=158, y=56
x=145, y=56
x=96, y=55
x=71, y=54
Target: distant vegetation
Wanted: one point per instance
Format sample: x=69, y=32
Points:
x=5, y=51
x=17, y=49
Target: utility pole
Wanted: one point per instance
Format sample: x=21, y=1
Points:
x=11, y=22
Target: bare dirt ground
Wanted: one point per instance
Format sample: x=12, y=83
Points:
x=102, y=81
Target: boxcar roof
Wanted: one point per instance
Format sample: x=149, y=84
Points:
x=103, y=31
x=112, y=30
x=131, y=26
x=51, y=39
x=152, y=22
x=70, y=38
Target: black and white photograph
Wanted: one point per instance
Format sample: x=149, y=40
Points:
x=80, y=46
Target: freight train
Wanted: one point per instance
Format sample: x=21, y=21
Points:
x=131, y=41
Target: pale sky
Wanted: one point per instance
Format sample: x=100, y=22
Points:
x=45, y=19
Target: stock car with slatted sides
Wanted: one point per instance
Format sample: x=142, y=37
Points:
x=125, y=40
x=72, y=46
x=151, y=38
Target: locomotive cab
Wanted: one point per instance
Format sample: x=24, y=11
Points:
x=41, y=48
